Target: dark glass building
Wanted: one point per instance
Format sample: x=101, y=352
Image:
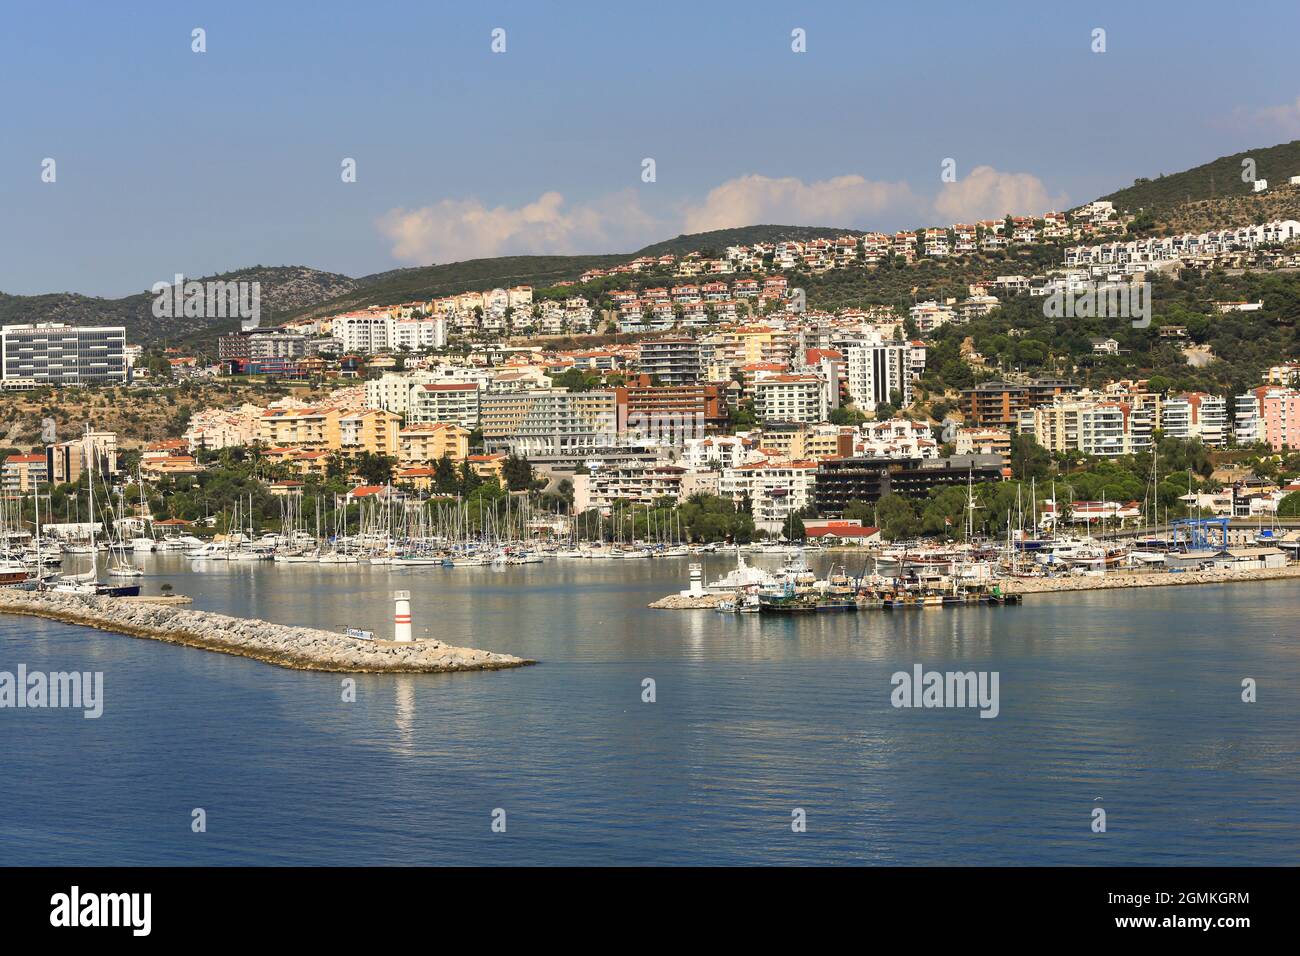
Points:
x=841, y=480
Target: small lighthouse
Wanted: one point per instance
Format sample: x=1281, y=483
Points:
x=697, y=581
x=402, y=616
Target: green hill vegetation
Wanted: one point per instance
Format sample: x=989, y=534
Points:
x=1217, y=179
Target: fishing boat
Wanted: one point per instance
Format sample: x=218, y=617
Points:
x=13, y=574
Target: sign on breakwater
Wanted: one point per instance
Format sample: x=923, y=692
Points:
x=301, y=648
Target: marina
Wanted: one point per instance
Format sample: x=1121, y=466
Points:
x=755, y=714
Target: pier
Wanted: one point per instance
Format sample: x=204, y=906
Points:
x=999, y=589
x=300, y=648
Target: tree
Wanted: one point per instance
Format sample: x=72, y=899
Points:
x=742, y=417
x=896, y=517
x=793, y=529
x=857, y=510
x=373, y=469
x=468, y=479
x=518, y=473
x=1028, y=458
x=444, y=476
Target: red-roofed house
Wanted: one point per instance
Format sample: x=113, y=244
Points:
x=840, y=531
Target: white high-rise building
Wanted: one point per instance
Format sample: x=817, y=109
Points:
x=364, y=332
x=419, y=334
x=1196, y=415
x=877, y=371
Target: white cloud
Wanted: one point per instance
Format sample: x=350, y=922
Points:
x=986, y=193
x=1284, y=118
x=841, y=201
x=456, y=229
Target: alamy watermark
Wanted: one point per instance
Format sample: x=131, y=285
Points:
x=57, y=689
x=214, y=299
x=922, y=688
x=1102, y=300
x=76, y=908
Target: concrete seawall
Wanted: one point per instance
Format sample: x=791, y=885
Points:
x=301, y=648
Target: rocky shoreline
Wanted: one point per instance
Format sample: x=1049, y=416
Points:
x=300, y=648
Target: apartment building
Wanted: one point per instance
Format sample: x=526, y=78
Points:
x=64, y=461
x=998, y=404
x=57, y=354
x=670, y=361
x=373, y=430
x=1196, y=415
x=808, y=441
x=791, y=398
x=894, y=438
x=549, y=423
x=638, y=482
x=844, y=480
x=670, y=414
x=775, y=489
x=426, y=442
x=1271, y=415
x=262, y=345
x=928, y=316
x=418, y=334
x=22, y=474
x=876, y=372
x=983, y=441
x=1105, y=429
x=455, y=402
x=718, y=451
x=364, y=332
x=305, y=428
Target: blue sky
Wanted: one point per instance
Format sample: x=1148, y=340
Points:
x=170, y=161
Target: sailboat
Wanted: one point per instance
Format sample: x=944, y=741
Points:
x=88, y=583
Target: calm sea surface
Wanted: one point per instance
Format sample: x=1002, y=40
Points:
x=1126, y=701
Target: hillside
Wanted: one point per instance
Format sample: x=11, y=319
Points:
x=136, y=415
x=1280, y=202
x=1217, y=179
x=477, y=275
x=284, y=289
x=427, y=282
x=718, y=239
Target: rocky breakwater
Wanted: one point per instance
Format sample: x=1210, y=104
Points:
x=690, y=602
x=302, y=648
x=1139, y=579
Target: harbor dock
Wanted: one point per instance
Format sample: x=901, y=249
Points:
x=300, y=648
x=1015, y=588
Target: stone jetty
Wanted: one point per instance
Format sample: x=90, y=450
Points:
x=690, y=602
x=301, y=648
